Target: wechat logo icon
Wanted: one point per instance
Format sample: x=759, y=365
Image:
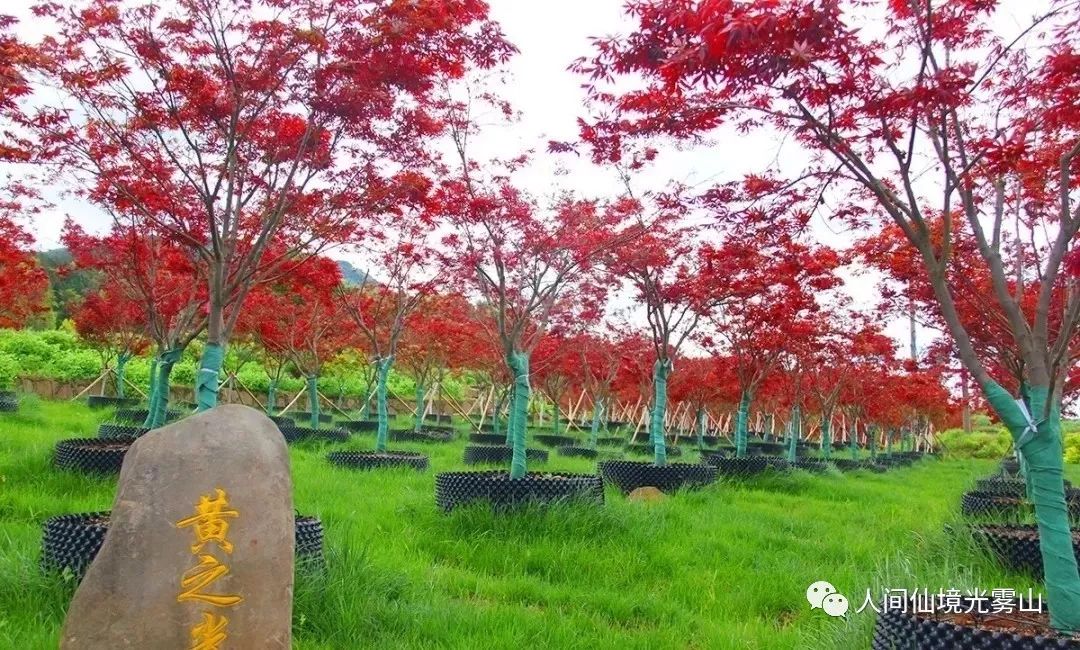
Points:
x=822, y=595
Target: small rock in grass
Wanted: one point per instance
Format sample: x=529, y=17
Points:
x=647, y=493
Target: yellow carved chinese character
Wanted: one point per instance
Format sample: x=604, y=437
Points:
x=198, y=577
x=210, y=521
x=210, y=634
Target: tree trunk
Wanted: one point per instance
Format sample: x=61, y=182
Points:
x=418, y=397
x=121, y=365
x=700, y=415
x=853, y=442
x=1042, y=458
x=826, y=434
x=313, y=399
x=508, y=394
x=382, y=375
x=661, y=371
x=793, y=434
x=594, y=430
x=271, y=397
x=555, y=420
x=152, y=392
x=519, y=367
x=965, y=396
x=741, y=418
x=159, y=407
x=206, y=380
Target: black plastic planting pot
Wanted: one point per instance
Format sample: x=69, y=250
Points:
x=848, y=465
x=72, y=541
x=424, y=435
x=8, y=402
x=454, y=489
x=499, y=454
x=1009, y=507
x=1010, y=466
x=102, y=401
x=123, y=431
x=814, y=465
x=1017, y=547
x=899, y=630
x=553, y=440
x=359, y=426
x=91, y=455
x=766, y=448
x=647, y=450
x=629, y=475
x=747, y=466
x=299, y=434
x=1010, y=486
x=487, y=438
x=283, y=420
x=305, y=416
x=579, y=452
x=139, y=415
x=377, y=460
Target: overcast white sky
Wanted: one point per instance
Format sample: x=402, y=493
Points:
x=550, y=34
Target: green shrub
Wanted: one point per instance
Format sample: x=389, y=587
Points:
x=993, y=441
x=73, y=365
x=9, y=370
x=1072, y=448
x=977, y=444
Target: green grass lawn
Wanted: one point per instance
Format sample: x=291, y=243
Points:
x=725, y=567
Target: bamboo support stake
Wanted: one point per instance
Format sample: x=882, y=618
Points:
x=289, y=405
x=454, y=405
x=331, y=403
x=101, y=377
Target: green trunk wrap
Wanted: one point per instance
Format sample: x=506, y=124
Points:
x=661, y=371
x=794, y=432
x=206, y=380
x=741, y=419
x=700, y=428
x=519, y=366
x=594, y=430
x=382, y=369
x=313, y=400
x=121, y=365
x=826, y=436
x=1041, y=449
x=271, y=397
x=156, y=415
x=418, y=395
x=151, y=396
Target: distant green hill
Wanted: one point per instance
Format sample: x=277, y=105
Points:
x=350, y=274
x=67, y=286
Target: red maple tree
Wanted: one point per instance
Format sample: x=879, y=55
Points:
x=248, y=131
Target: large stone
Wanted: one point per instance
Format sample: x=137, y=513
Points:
x=199, y=552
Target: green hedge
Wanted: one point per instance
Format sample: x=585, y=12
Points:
x=61, y=355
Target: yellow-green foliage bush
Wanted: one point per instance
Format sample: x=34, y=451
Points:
x=988, y=440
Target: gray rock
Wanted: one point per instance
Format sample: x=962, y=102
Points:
x=201, y=535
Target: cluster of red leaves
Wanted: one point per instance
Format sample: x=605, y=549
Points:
x=24, y=286
x=297, y=317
